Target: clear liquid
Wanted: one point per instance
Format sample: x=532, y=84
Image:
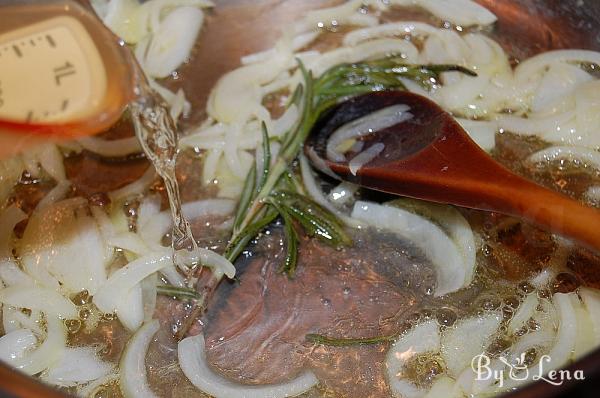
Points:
x=157, y=133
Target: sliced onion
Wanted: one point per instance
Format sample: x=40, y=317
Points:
x=133, y=378
x=116, y=289
x=537, y=125
x=394, y=29
x=564, y=345
x=593, y=194
x=56, y=194
x=51, y=161
x=178, y=103
x=149, y=292
x=12, y=275
x=192, y=360
x=451, y=268
x=586, y=156
x=343, y=193
x=482, y=132
x=77, y=366
x=39, y=298
x=441, y=387
x=237, y=97
x=137, y=187
x=375, y=49
x=14, y=344
x=524, y=313
x=111, y=148
x=423, y=338
x=459, y=12
x=586, y=339
x=531, y=67
x=591, y=301
x=365, y=157
x=467, y=339
x=130, y=308
x=172, y=43
x=126, y=19
x=10, y=172
x=208, y=258
x=130, y=242
x=63, y=240
x=14, y=318
x=366, y=125
x=10, y=217
x=317, y=195
x=48, y=353
x=457, y=228
x=345, y=14
x=557, y=86
x=587, y=101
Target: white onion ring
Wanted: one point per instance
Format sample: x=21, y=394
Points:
x=39, y=298
x=111, y=148
x=366, y=125
x=133, y=379
x=586, y=156
x=192, y=360
x=451, y=268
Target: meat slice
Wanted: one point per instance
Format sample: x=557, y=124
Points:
x=256, y=329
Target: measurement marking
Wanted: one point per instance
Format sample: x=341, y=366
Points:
x=65, y=104
x=17, y=51
x=63, y=71
x=29, y=117
x=50, y=41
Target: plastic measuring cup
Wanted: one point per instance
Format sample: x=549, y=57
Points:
x=63, y=74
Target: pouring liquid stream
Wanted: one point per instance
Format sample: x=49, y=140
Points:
x=157, y=133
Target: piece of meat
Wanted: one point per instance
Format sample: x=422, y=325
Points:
x=255, y=329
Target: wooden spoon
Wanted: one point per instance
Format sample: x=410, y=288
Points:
x=431, y=157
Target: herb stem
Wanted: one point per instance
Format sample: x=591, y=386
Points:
x=343, y=342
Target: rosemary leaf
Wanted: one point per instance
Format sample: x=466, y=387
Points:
x=291, y=240
x=241, y=239
x=245, y=199
x=315, y=219
x=181, y=293
x=296, y=98
x=342, y=342
x=266, y=166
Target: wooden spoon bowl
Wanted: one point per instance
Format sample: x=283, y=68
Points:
x=431, y=157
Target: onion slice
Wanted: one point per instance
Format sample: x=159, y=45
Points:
x=133, y=378
x=77, y=366
x=39, y=298
x=423, y=338
x=477, y=332
x=192, y=360
x=15, y=344
x=121, y=282
x=451, y=268
x=49, y=352
x=588, y=157
x=366, y=125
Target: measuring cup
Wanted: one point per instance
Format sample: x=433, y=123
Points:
x=63, y=74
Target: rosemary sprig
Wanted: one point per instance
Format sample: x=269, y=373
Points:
x=278, y=192
x=343, y=342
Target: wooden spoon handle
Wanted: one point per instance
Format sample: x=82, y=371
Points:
x=554, y=212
